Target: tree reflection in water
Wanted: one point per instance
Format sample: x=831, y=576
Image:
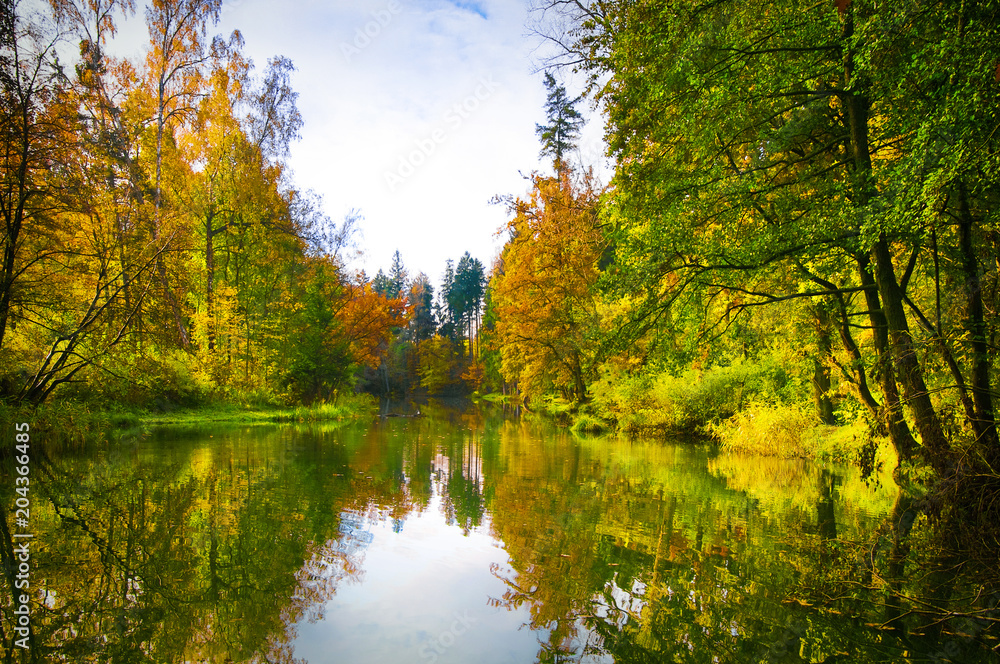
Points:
x=187, y=552
x=183, y=548
x=648, y=559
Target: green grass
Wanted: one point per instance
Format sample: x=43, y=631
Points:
x=66, y=424
x=347, y=407
x=586, y=423
x=491, y=397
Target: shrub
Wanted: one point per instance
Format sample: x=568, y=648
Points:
x=586, y=423
x=766, y=430
x=691, y=401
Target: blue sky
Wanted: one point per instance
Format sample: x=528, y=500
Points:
x=416, y=112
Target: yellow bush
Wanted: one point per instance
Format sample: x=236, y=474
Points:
x=765, y=429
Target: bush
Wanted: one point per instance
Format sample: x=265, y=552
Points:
x=586, y=423
x=765, y=430
x=689, y=402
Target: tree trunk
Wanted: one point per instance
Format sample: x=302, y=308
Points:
x=936, y=450
x=863, y=190
x=821, y=382
x=858, y=367
x=210, y=281
x=578, y=384
x=984, y=423
x=19, y=149
x=161, y=268
x=892, y=412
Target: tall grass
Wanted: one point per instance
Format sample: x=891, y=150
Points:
x=587, y=423
x=348, y=406
x=62, y=424
x=69, y=424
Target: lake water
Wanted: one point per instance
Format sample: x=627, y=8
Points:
x=457, y=537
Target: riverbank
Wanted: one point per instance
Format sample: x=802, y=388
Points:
x=746, y=408
x=63, y=422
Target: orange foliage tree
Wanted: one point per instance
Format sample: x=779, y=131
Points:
x=544, y=286
x=368, y=319
x=339, y=325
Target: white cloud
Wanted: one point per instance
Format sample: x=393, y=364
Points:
x=379, y=78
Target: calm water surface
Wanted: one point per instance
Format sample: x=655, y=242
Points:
x=454, y=537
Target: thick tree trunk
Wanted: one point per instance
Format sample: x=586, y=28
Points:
x=821, y=382
x=936, y=449
x=9, y=262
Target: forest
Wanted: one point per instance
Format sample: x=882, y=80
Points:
x=798, y=251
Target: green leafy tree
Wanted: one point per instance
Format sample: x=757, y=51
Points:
x=382, y=284
x=843, y=156
x=467, y=297
x=397, y=276
x=445, y=307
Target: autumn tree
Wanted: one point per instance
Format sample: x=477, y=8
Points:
x=175, y=66
x=544, y=288
x=33, y=135
x=71, y=267
x=144, y=204
x=219, y=141
x=369, y=320
x=340, y=326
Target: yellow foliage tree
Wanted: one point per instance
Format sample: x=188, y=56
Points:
x=544, y=288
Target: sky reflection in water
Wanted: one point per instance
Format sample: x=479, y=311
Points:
x=451, y=538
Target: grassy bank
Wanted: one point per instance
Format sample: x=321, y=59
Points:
x=347, y=407
x=752, y=408
x=64, y=423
